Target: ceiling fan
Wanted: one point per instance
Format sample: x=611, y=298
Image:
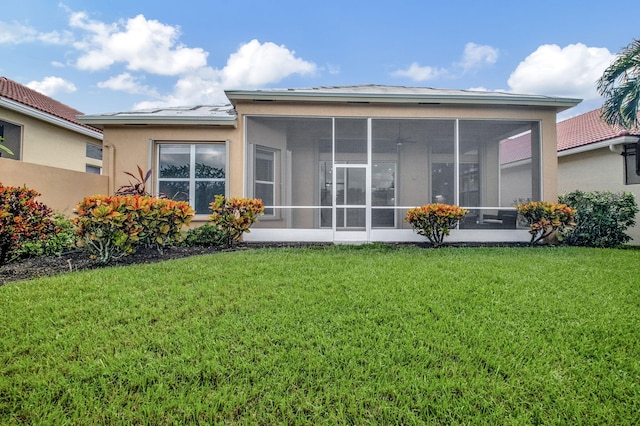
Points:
x=402, y=140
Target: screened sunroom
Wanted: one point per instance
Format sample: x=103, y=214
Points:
x=354, y=178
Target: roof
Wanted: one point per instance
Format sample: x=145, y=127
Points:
x=586, y=129
x=187, y=115
x=401, y=94
x=15, y=93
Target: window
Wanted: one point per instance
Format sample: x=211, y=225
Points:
x=631, y=165
x=192, y=172
x=94, y=151
x=264, y=178
x=12, y=135
x=94, y=170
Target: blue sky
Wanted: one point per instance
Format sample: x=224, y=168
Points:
x=123, y=55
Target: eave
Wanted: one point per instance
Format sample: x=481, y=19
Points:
x=51, y=119
x=455, y=97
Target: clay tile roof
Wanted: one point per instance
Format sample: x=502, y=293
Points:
x=585, y=129
x=17, y=92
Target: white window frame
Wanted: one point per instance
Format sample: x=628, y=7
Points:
x=259, y=149
x=192, y=169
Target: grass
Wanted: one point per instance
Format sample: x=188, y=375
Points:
x=330, y=335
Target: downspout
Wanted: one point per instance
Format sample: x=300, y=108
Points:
x=617, y=149
x=111, y=172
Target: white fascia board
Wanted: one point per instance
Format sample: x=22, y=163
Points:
x=620, y=140
x=141, y=120
x=52, y=119
x=482, y=99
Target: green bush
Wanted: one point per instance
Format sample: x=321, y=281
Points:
x=545, y=218
x=62, y=239
x=435, y=221
x=207, y=235
x=22, y=220
x=114, y=226
x=602, y=218
x=233, y=217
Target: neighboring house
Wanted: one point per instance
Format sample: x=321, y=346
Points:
x=594, y=156
x=41, y=130
x=345, y=163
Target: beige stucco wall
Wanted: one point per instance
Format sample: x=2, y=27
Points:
x=61, y=189
x=50, y=145
x=597, y=170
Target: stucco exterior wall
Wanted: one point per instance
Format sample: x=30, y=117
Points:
x=61, y=189
x=50, y=145
x=127, y=147
x=596, y=170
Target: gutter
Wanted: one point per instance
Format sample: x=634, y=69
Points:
x=481, y=98
x=614, y=145
x=141, y=120
x=52, y=119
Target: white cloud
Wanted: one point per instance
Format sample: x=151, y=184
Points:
x=257, y=64
x=51, y=85
x=476, y=55
x=15, y=33
x=141, y=44
x=420, y=73
x=570, y=71
x=125, y=82
x=254, y=64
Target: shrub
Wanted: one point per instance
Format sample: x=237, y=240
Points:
x=233, y=217
x=114, y=226
x=22, y=219
x=207, y=235
x=62, y=239
x=435, y=221
x=544, y=218
x=602, y=218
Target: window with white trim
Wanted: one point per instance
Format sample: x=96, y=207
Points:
x=192, y=172
x=264, y=185
x=631, y=164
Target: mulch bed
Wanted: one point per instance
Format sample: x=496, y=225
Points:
x=26, y=269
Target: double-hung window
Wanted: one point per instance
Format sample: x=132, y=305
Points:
x=265, y=183
x=192, y=172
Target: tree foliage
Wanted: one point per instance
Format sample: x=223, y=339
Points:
x=620, y=87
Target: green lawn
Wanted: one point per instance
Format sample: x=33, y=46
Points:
x=330, y=335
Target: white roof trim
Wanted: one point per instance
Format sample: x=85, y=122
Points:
x=619, y=140
x=49, y=118
x=417, y=96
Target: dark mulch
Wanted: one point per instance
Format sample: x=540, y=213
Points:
x=26, y=269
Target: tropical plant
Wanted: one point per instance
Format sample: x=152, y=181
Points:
x=545, y=218
x=138, y=186
x=602, y=218
x=620, y=87
x=63, y=239
x=233, y=217
x=116, y=226
x=435, y=221
x=22, y=219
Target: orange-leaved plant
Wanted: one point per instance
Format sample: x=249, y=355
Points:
x=234, y=216
x=22, y=219
x=114, y=226
x=544, y=218
x=435, y=221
